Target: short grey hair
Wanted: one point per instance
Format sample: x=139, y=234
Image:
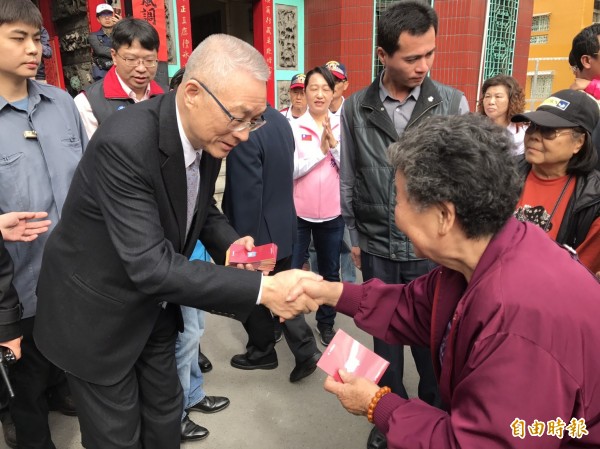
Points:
x=465, y=160
x=221, y=57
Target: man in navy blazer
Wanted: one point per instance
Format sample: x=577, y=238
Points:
x=259, y=202
x=116, y=267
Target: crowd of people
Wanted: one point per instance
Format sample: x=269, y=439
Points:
x=477, y=235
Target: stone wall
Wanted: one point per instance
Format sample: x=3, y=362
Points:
x=71, y=21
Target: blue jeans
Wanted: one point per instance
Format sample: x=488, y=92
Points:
x=186, y=347
x=186, y=354
x=327, y=237
x=347, y=267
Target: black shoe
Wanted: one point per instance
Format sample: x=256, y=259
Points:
x=326, y=332
x=205, y=365
x=306, y=368
x=241, y=361
x=191, y=431
x=10, y=433
x=210, y=404
x=376, y=440
x=62, y=404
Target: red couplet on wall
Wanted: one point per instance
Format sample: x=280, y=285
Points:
x=185, y=35
x=153, y=11
x=263, y=39
x=53, y=65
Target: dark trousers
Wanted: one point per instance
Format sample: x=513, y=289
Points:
x=392, y=272
x=260, y=329
x=143, y=410
x=31, y=378
x=327, y=237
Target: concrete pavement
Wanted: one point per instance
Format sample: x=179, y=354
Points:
x=266, y=411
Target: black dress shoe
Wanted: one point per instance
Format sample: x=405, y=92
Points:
x=205, y=365
x=210, y=404
x=191, y=431
x=241, y=361
x=376, y=440
x=306, y=368
x=62, y=404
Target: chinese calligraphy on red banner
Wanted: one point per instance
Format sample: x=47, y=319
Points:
x=153, y=11
x=185, y=35
x=263, y=39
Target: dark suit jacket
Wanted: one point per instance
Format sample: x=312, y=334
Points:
x=258, y=198
x=120, y=248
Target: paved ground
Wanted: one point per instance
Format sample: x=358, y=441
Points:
x=266, y=411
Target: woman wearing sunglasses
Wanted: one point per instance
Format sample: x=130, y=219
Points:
x=561, y=193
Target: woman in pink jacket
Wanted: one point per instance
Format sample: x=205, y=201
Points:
x=317, y=186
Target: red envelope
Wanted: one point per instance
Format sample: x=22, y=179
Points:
x=263, y=257
x=344, y=352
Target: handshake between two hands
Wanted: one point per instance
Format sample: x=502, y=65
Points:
x=290, y=293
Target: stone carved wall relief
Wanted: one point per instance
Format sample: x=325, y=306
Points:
x=283, y=94
x=287, y=37
x=70, y=19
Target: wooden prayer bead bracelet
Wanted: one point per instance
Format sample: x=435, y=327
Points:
x=380, y=393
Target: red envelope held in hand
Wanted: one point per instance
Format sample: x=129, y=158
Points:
x=344, y=352
x=262, y=257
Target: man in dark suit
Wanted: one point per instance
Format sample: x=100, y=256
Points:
x=116, y=267
x=259, y=202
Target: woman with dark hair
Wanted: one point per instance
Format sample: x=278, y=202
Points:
x=510, y=318
x=561, y=193
x=317, y=186
x=501, y=98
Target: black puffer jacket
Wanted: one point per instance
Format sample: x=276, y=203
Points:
x=583, y=207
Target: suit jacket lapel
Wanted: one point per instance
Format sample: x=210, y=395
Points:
x=173, y=164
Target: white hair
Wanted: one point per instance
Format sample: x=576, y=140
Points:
x=220, y=57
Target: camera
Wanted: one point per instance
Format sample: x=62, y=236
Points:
x=6, y=358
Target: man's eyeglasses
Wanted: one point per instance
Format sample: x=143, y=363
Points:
x=134, y=62
x=546, y=132
x=235, y=124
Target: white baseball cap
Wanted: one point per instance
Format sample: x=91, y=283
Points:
x=103, y=7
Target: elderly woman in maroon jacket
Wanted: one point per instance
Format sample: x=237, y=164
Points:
x=510, y=316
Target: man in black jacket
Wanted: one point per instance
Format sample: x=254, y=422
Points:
x=372, y=119
x=258, y=201
x=101, y=42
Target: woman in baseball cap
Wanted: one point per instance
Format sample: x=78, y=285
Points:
x=561, y=192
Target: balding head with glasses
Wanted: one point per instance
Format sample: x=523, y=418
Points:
x=223, y=94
